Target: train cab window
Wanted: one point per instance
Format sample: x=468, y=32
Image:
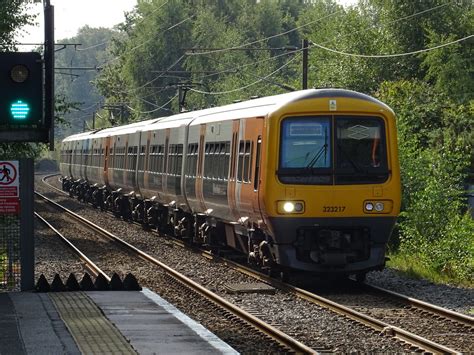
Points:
x=305, y=150
x=333, y=150
x=360, y=153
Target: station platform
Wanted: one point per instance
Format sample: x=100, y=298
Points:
x=100, y=322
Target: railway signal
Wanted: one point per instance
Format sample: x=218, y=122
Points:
x=21, y=88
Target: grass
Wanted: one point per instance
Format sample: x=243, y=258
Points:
x=412, y=267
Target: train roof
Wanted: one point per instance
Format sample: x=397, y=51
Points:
x=251, y=108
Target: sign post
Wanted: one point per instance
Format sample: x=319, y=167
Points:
x=16, y=217
x=9, y=187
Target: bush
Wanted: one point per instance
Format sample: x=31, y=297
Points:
x=435, y=147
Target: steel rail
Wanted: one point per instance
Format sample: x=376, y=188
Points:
x=265, y=328
x=444, y=312
x=89, y=264
x=53, y=187
x=386, y=329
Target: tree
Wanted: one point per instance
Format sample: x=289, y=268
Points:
x=13, y=16
x=435, y=147
x=75, y=86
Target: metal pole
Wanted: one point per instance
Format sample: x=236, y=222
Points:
x=49, y=70
x=180, y=94
x=27, y=240
x=305, y=64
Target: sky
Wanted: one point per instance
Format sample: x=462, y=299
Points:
x=70, y=15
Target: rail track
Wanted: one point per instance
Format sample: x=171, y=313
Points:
x=89, y=265
x=238, y=315
x=458, y=325
x=380, y=307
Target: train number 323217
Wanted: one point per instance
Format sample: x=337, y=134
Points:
x=332, y=209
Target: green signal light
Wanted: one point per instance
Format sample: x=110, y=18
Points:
x=19, y=110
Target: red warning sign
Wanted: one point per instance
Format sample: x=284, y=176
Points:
x=9, y=178
x=9, y=205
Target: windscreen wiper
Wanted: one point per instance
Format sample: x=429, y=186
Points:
x=356, y=167
x=323, y=150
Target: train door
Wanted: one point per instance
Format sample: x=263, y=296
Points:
x=145, y=183
x=246, y=194
x=233, y=170
x=125, y=162
x=106, y=159
x=166, y=169
x=200, y=168
x=141, y=161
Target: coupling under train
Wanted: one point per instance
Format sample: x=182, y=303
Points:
x=307, y=180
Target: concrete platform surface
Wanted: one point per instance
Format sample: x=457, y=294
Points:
x=109, y=322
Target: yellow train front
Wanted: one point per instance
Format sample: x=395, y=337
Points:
x=330, y=183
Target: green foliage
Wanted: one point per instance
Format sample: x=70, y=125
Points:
x=12, y=17
x=76, y=97
x=449, y=67
x=435, y=147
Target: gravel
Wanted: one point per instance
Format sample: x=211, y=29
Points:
x=456, y=298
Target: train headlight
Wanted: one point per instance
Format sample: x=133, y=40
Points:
x=290, y=207
x=380, y=206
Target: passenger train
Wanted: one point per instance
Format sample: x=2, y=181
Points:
x=307, y=180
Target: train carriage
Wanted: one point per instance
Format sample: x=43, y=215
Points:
x=307, y=180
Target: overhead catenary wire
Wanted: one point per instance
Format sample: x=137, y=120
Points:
x=88, y=107
x=251, y=64
x=152, y=80
x=390, y=22
x=328, y=41
x=154, y=110
x=266, y=38
x=390, y=55
x=273, y=36
x=246, y=86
